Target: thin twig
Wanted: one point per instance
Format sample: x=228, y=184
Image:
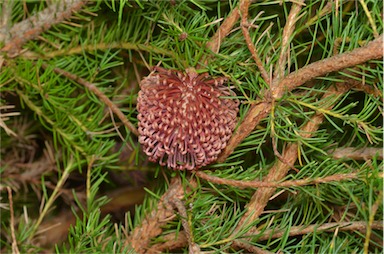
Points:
x=360, y=86
x=286, y=37
x=5, y=116
x=99, y=94
x=89, y=172
x=280, y=67
x=260, y=110
x=244, y=5
x=274, y=145
x=193, y=247
x=286, y=184
x=15, y=249
x=32, y=27
x=52, y=198
x=369, y=16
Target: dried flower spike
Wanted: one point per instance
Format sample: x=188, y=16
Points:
x=184, y=121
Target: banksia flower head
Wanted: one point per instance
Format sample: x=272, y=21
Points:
x=184, y=121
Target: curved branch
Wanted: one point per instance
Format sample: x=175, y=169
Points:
x=373, y=50
x=257, y=112
x=91, y=87
x=32, y=27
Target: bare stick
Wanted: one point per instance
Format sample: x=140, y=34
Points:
x=369, y=16
x=287, y=33
x=276, y=152
x=280, y=67
x=193, y=247
x=32, y=27
x=173, y=241
x=152, y=225
x=49, y=203
x=99, y=94
x=244, y=5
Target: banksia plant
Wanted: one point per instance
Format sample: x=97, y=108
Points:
x=296, y=167
x=185, y=119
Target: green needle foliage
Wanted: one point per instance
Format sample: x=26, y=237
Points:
x=62, y=144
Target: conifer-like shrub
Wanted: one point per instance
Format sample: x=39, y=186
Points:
x=271, y=112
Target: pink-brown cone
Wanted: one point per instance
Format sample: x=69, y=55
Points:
x=184, y=122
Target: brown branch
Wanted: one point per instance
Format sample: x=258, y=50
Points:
x=215, y=41
x=256, y=113
x=328, y=227
x=260, y=110
x=152, y=225
x=32, y=27
x=352, y=153
x=286, y=184
x=280, y=67
x=91, y=87
x=193, y=247
x=178, y=240
x=373, y=50
x=261, y=197
x=360, y=86
x=244, y=5
x=287, y=33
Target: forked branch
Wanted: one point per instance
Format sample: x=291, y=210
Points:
x=373, y=50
